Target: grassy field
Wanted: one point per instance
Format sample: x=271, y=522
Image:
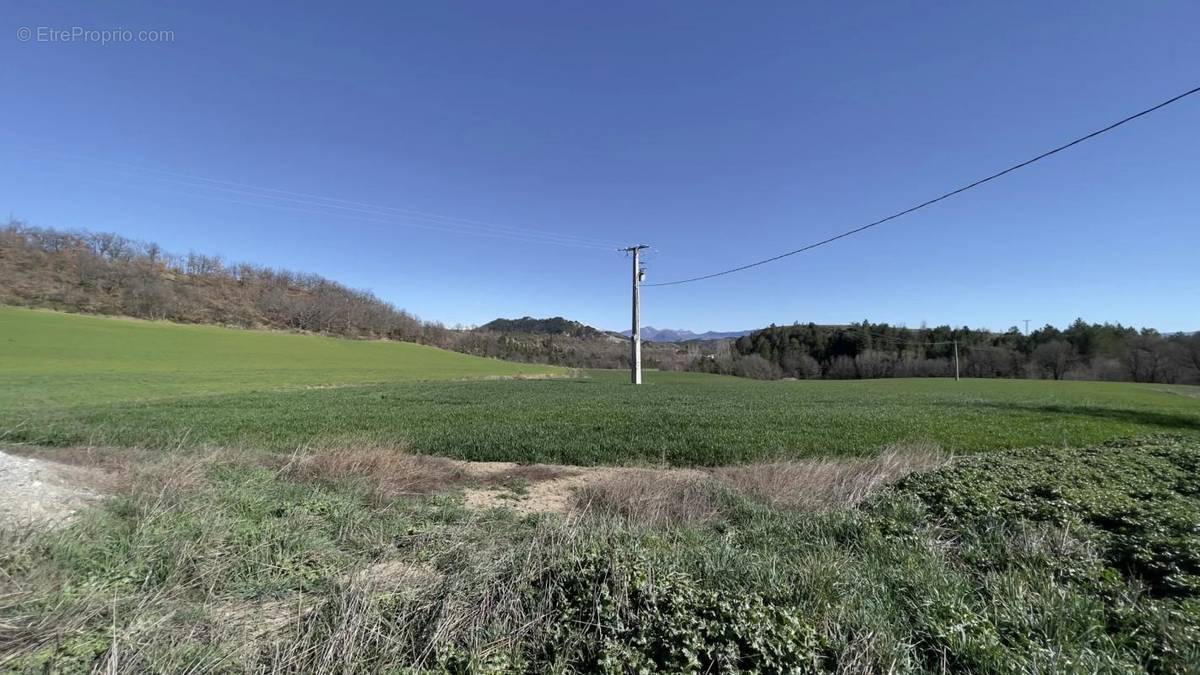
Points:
x=52, y=359
x=72, y=379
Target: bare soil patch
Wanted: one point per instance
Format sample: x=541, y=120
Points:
x=39, y=492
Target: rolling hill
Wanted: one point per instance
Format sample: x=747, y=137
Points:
x=553, y=326
x=51, y=357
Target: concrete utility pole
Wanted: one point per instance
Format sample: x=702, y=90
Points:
x=1026, y=326
x=956, y=360
x=635, y=375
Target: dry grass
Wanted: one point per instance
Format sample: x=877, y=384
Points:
x=654, y=497
x=390, y=471
x=124, y=470
x=650, y=497
x=668, y=497
x=477, y=601
x=387, y=471
x=824, y=484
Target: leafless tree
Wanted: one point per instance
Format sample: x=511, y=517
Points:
x=873, y=365
x=1145, y=357
x=1054, y=358
x=842, y=368
x=756, y=367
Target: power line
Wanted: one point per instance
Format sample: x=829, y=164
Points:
x=935, y=200
x=392, y=221
x=341, y=206
x=1005, y=350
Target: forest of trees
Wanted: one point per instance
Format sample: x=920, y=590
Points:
x=866, y=350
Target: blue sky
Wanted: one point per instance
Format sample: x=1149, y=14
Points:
x=719, y=132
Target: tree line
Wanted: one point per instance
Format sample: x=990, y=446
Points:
x=1082, y=350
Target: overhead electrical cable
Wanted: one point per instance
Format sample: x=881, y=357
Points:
x=935, y=200
x=339, y=205
x=379, y=216
x=362, y=218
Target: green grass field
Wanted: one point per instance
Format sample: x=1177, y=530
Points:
x=49, y=359
x=73, y=379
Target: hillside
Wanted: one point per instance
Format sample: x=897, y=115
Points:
x=52, y=358
x=104, y=273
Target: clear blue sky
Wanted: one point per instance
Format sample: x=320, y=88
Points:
x=718, y=132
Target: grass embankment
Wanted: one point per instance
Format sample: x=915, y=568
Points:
x=1046, y=560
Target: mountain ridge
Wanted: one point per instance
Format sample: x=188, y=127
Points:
x=653, y=334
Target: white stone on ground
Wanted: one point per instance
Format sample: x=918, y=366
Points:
x=39, y=492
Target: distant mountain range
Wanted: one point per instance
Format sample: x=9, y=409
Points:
x=559, y=326
x=653, y=334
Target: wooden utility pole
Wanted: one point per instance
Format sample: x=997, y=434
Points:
x=635, y=365
x=956, y=360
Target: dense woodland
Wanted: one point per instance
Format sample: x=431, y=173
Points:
x=108, y=274
x=866, y=350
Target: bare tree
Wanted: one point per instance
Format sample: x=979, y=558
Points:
x=756, y=367
x=1054, y=358
x=873, y=364
x=1144, y=357
x=1190, y=353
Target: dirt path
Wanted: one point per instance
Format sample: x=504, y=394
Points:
x=39, y=492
